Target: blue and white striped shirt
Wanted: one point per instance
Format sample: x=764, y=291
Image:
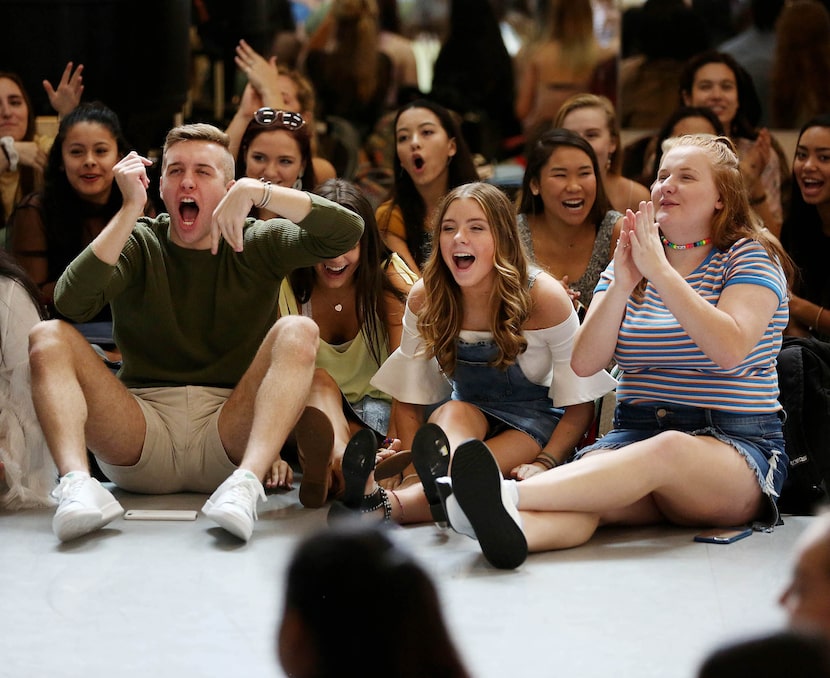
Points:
x=660, y=362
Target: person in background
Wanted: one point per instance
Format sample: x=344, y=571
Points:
x=558, y=64
x=715, y=80
x=801, y=64
x=282, y=89
x=27, y=473
x=754, y=49
x=473, y=76
x=666, y=34
x=593, y=117
x=431, y=158
x=80, y=196
x=23, y=151
x=351, y=75
x=400, y=51
x=276, y=147
x=326, y=583
x=565, y=217
x=805, y=231
x=684, y=120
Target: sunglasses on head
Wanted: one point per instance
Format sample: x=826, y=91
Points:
x=271, y=116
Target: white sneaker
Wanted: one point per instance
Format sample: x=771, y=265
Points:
x=84, y=505
x=233, y=505
x=456, y=518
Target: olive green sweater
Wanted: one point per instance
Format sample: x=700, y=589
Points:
x=187, y=317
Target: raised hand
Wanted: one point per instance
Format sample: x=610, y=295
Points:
x=68, y=93
x=262, y=74
x=131, y=176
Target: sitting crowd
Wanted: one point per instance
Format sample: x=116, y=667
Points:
x=439, y=353
x=434, y=348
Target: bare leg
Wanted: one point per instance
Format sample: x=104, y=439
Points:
x=275, y=389
x=461, y=421
x=688, y=480
x=79, y=402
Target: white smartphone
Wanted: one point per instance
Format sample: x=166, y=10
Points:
x=159, y=514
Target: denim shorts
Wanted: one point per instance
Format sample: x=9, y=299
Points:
x=371, y=412
x=758, y=438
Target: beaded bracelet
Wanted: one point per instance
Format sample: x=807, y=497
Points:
x=266, y=195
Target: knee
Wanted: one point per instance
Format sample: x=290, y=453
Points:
x=297, y=337
x=661, y=450
x=452, y=410
x=48, y=338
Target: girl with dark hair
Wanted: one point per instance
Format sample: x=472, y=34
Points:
x=565, y=216
x=357, y=301
x=805, y=232
x=716, y=80
x=327, y=580
x=276, y=147
x=432, y=157
x=27, y=473
x=51, y=228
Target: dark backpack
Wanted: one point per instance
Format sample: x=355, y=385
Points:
x=804, y=382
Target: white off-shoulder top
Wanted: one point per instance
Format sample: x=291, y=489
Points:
x=410, y=376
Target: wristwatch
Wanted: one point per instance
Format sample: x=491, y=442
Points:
x=7, y=144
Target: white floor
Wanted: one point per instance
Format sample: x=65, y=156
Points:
x=186, y=599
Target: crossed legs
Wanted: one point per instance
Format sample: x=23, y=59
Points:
x=673, y=476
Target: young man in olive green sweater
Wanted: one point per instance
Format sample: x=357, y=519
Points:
x=211, y=382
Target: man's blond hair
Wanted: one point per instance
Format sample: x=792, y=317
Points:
x=201, y=131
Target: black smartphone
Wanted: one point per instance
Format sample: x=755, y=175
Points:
x=723, y=535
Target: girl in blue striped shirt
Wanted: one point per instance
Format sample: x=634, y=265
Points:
x=692, y=309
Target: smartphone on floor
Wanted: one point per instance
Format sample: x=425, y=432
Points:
x=159, y=514
x=723, y=535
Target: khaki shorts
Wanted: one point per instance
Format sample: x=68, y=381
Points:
x=182, y=450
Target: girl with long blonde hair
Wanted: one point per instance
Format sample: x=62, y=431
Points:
x=485, y=354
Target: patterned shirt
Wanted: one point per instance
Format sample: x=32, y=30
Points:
x=661, y=363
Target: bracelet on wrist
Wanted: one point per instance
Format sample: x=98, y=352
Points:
x=266, y=195
x=814, y=326
x=546, y=460
x=7, y=144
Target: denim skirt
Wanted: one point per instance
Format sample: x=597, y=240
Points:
x=758, y=438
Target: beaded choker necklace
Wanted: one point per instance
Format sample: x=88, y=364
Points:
x=687, y=246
